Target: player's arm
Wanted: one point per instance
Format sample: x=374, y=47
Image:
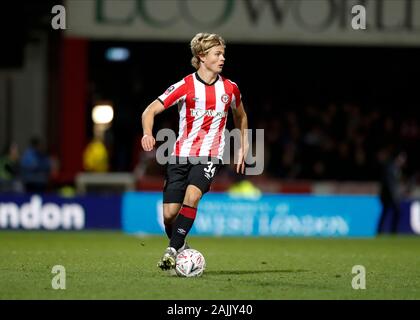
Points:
x=241, y=122
x=147, y=120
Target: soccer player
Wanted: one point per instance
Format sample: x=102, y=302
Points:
x=203, y=99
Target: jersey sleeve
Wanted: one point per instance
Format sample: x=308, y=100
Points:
x=173, y=94
x=236, y=96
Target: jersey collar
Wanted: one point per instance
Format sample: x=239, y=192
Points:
x=202, y=81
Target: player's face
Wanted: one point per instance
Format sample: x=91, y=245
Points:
x=215, y=59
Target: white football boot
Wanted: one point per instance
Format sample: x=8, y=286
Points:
x=168, y=259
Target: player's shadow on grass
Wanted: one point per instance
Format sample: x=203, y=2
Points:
x=239, y=272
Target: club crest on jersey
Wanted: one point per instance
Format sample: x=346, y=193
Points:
x=225, y=98
x=169, y=90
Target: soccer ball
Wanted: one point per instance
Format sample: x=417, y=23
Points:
x=190, y=263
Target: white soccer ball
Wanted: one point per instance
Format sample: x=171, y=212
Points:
x=190, y=263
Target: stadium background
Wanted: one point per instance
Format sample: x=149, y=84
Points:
x=334, y=102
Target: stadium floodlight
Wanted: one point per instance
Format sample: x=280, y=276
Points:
x=102, y=114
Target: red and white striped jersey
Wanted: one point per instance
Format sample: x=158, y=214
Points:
x=203, y=110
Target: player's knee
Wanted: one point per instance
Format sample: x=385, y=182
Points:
x=169, y=215
x=192, y=198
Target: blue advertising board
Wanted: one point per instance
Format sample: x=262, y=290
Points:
x=50, y=212
x=269, y=215
x=218, y=214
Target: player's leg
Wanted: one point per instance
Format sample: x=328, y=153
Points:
x=173, y=196
x=176, y=181
x=185, y=219
x=170, y=212
x=200, y=178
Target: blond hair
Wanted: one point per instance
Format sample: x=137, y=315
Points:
x=202, y=43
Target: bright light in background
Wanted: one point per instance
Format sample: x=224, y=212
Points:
x=102, y=114
x=117, y=54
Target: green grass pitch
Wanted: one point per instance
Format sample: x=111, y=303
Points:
x=112, y=265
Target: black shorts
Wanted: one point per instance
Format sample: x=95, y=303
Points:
x=182, y=172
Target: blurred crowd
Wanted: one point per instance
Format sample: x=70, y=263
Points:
x=30, y=171
x=337, y=142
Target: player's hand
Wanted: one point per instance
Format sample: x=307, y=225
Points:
x=242, y=153
x=148, y=142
